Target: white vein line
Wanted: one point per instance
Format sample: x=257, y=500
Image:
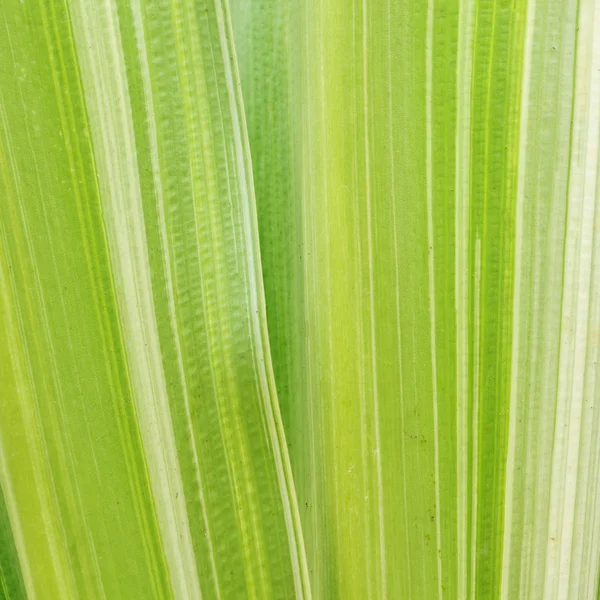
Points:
x=64, y=456
x=429, y=166
x=228, y=418
x=535, y=568
x=308, y=275
x=583, y=559
x=461, y=272
x=258, y=317
x=122, y=208
x=475, y=422
x=68, y=456
x=15, y=517
x=321, y=281
x=397, y=289
x=582, y=302
x=576, y=287
x=152, y=133
x=588, y=553
x=362, y=372
x=372, y=302
x=588, y=574
x=231, y=426
x=513, y=397
x=40, y=448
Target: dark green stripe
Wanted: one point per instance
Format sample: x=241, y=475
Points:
x=11, y=578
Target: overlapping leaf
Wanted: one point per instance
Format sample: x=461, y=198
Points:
x=141, y=451
x=443, y=174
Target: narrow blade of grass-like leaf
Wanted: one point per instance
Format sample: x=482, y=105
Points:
x=142, y=450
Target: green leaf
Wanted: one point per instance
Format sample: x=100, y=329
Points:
x=11, y=580
x=442, y=181
x=141, y=449
x=266, y=34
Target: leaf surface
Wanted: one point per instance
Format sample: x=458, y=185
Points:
x=141, y=449
x=443, y=429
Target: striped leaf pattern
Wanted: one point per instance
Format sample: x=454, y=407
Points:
x=141, y=448
x=443, y=424
x=405, y=404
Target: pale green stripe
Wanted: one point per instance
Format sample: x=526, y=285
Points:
x=547, y=97
x=576, y=423
x=79, y=498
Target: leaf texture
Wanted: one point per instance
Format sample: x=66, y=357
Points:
x=444, y=431
x=11, y=578
x=141, y=448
